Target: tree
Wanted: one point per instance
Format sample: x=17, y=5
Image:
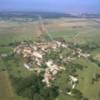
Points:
x=77, y=94
x=34, y=89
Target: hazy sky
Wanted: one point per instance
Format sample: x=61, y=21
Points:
x=73, y=6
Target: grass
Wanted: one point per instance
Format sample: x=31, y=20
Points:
x=88, y=89
x=6, y=92
x=5, y=50
x=15, y=67
x=89, y=32
x=85, y=77
x=11, y=31
x=91, y=35
x=65, y=97
x=6, y=89
x=96, y=54
x=61, y=82
x=68, y=33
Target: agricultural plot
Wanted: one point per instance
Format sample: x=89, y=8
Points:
x=13, y=31
x=6, y=92
x=71, y=29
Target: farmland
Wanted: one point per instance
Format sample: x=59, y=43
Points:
x=5, y=86
x=81, y=31
x=70, y=29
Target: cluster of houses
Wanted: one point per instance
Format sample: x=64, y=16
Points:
x=51, y=71
x=35, y=52
x=78, y=52
x=81, y=54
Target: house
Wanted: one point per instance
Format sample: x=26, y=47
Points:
x=38, y=61
x=69, y=93
x=54, y=68
x=81, y=54
x=27, y=50
x=73, y=81
x=47, y=77
x=85, y=55
x=58, y=43
x=37, y=54
x=17, y=50
x=28, y=67
x=64, y=45
x=49, y=63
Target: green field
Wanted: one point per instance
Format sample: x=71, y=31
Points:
x=6, y=92
x=85, y=77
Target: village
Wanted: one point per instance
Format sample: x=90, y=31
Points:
x=34, y=53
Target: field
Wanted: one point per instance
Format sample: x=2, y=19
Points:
x=78, y=30
x=6, y=92
x=81, y=31
x=85, y=77
x=96, y=54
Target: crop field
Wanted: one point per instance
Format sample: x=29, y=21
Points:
x=6, y=89
x=80, y=34
x=6, y=92
x=81, y=31
x=14, y=31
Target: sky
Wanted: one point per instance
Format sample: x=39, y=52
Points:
x=66, y=6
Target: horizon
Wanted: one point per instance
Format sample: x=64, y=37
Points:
x=55, y=12
x=69, y=6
